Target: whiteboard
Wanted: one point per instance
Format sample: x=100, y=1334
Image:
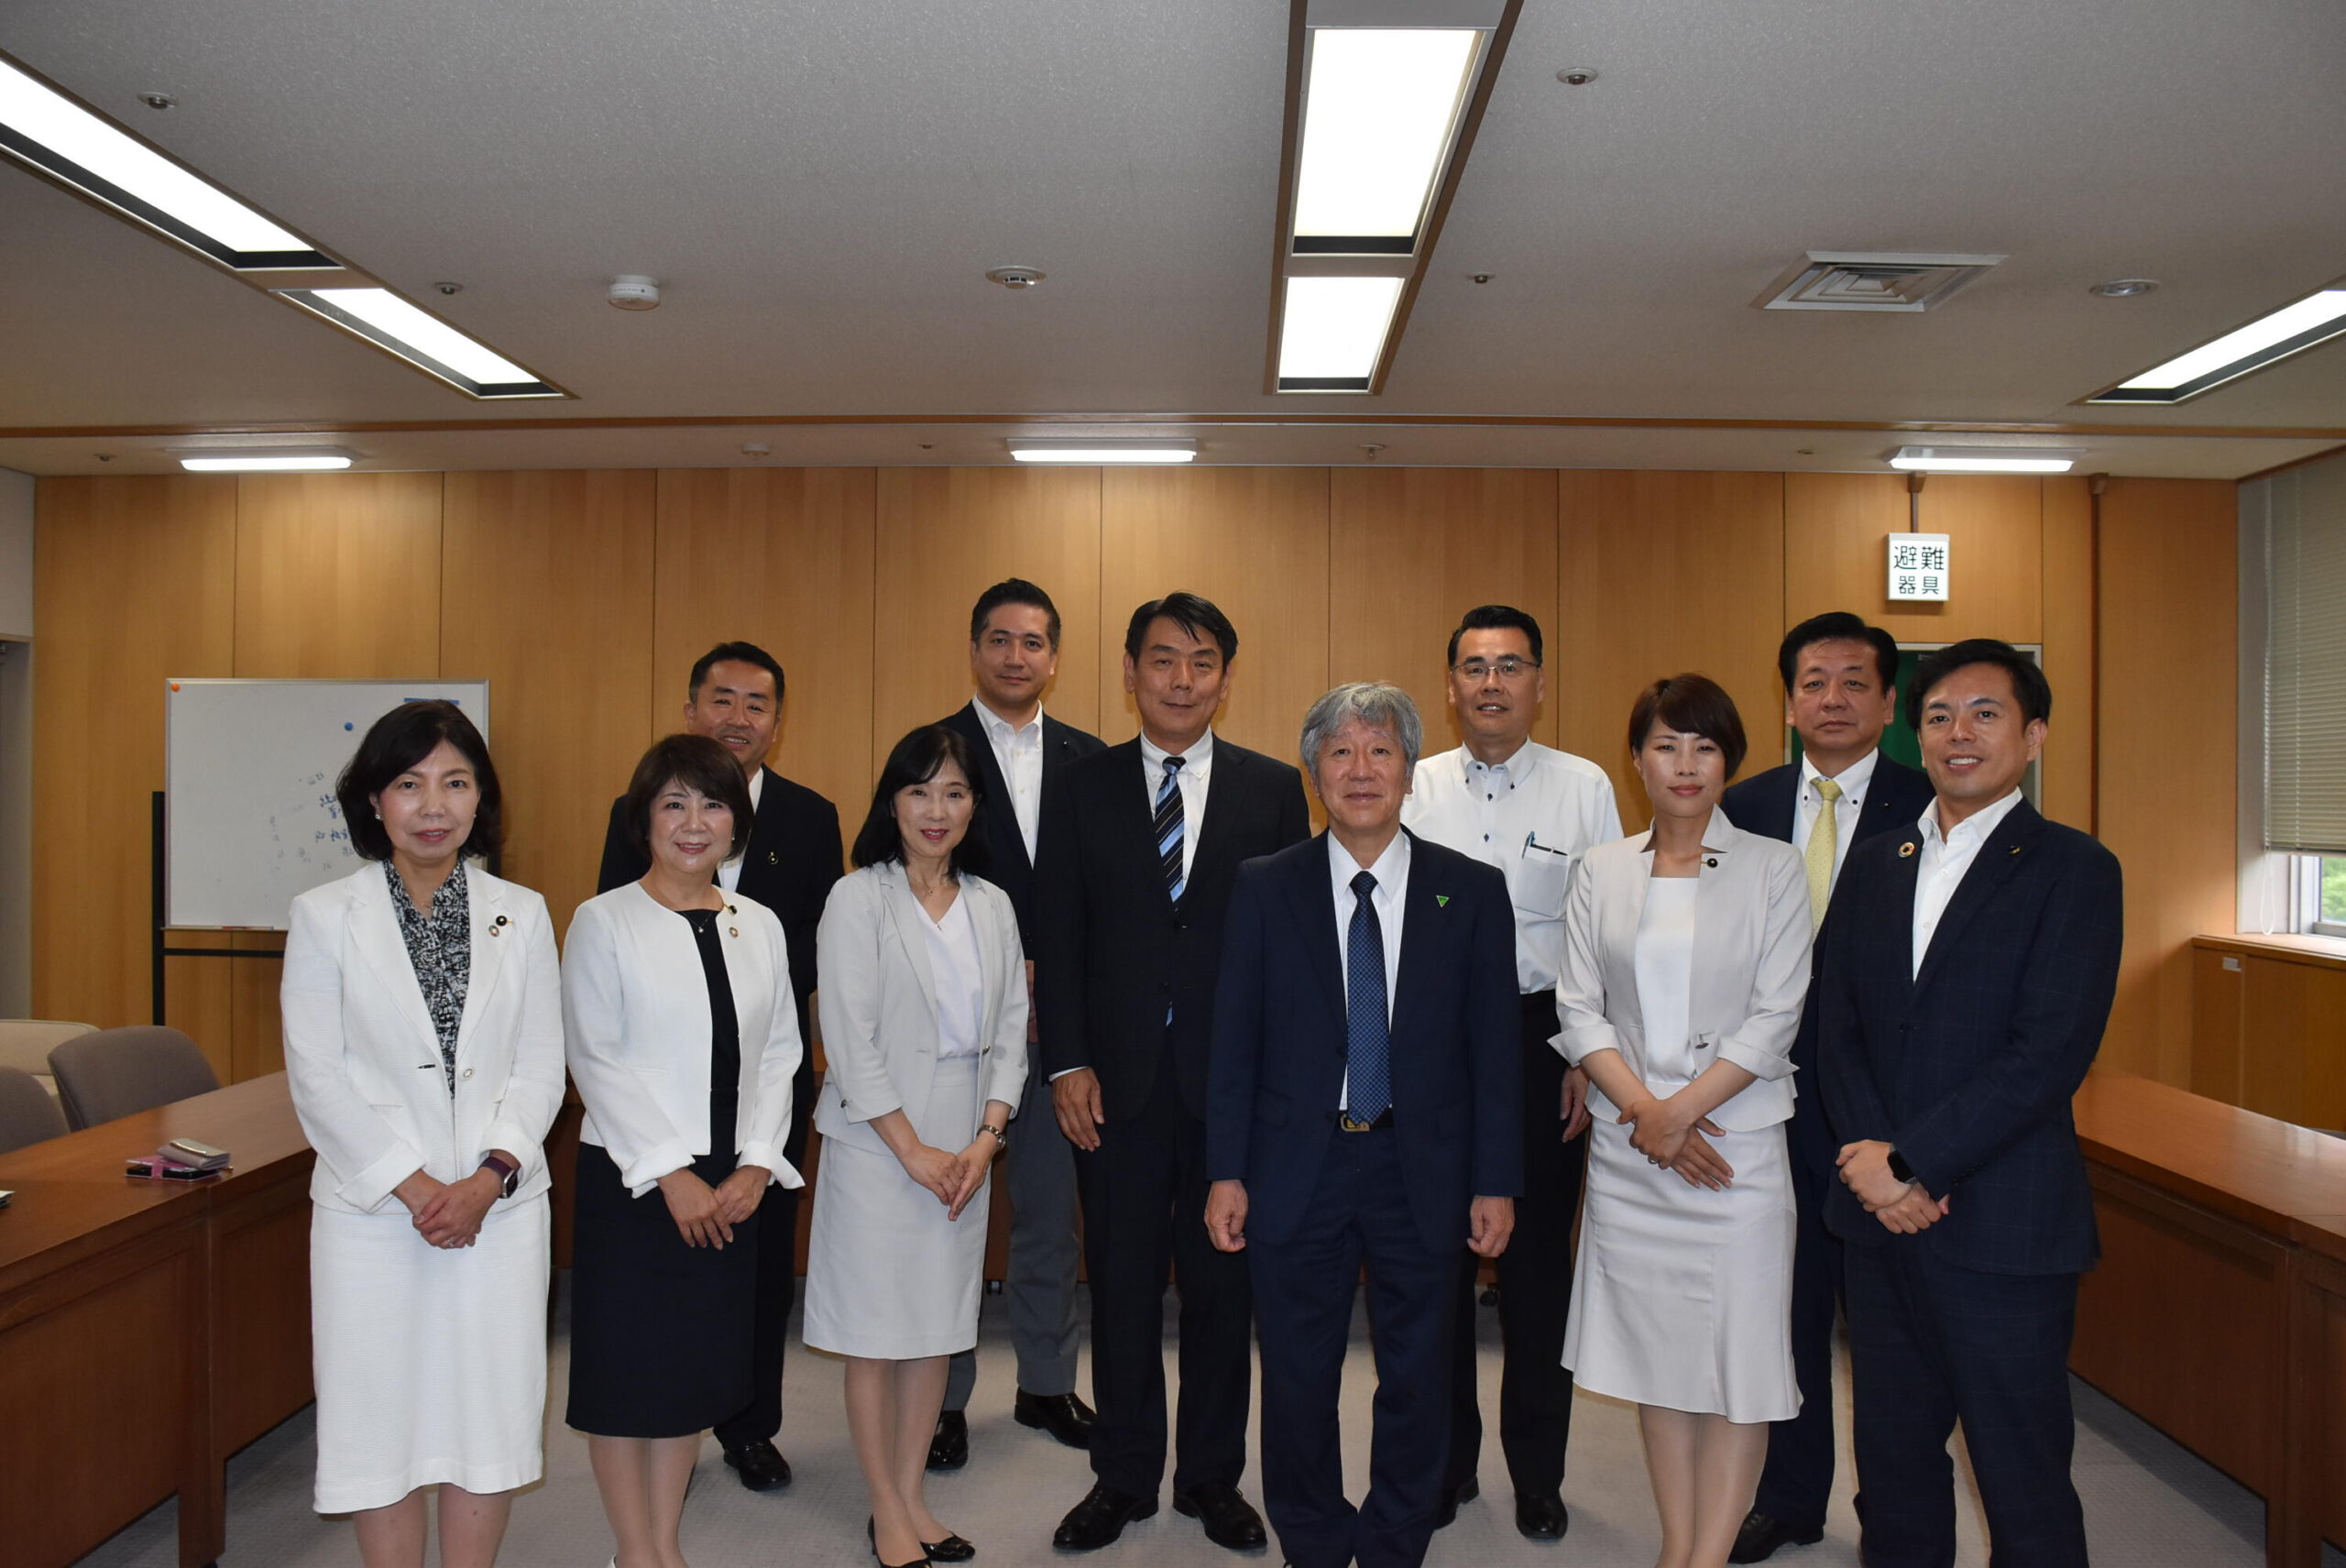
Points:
x=250, y=820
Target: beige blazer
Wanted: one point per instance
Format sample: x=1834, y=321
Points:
x=878, y=1001
x=363, y=1060
x=1752, y=936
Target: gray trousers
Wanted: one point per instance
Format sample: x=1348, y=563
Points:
x=1039, y=1177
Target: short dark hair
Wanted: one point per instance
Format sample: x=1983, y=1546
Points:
x=918, y=758
x=1837, y=626
x=1497, y=618
x=1014, y=590
x=398, y=742
x=696, y=762
x=1193, y=613
x=2030, y=688
x=1694, y=704
x=739, y=653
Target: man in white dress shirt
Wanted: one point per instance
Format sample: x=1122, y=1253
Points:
x=1530, y=810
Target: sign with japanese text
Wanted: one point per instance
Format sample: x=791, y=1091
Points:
x=1918, y=566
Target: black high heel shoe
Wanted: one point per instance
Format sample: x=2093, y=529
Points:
x=871, y=1534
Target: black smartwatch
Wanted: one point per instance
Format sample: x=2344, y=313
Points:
x=1900, y=1169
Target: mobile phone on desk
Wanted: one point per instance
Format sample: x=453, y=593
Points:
x=188, y=1152
x=155, y=1167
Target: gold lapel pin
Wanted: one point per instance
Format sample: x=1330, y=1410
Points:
x=773, y=859
x=2015, y=849
x=1905, y=849
x=497, y=926
x=732, y=930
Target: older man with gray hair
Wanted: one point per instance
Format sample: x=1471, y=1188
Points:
x=1362, y=1111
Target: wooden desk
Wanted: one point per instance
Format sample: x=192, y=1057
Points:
x=149, y=1329
x=2218, y=1312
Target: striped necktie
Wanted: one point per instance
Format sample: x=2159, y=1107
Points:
x=1169, y=828
x=1824, y=839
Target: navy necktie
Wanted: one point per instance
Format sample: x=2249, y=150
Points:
x=1169, y=825
x=1368, y=1036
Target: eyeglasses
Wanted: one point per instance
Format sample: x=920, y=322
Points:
x=1508, y=669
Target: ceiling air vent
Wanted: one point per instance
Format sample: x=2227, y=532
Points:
x=1854, y=280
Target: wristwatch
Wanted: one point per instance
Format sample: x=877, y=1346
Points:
x=1900, y=1169
x=509, y=1174
x=999, y=1134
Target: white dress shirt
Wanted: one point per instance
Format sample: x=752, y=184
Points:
x=1532, y=815
x=1392, y=873
x=1853, y=781
x=1018, y=752
x=1945, y=859
x=1197, y=772
x=729, y=875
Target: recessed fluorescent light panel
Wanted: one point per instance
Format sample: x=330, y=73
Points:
x=1380, y=107
x=2293, y=329
x=58, y=138
x=1981, y=460
x=1333, y=331
x=267, y=460
x=1091, y=450
x=424, y=340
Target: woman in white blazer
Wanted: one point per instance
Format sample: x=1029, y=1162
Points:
x=1685, y=964
x=683, y=1038
x=923, y=995
x=423, y=1019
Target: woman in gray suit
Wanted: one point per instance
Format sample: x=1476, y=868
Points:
x=923, y=996
x=1685, y=964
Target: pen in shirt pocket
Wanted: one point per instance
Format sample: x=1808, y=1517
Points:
x=1531, y=842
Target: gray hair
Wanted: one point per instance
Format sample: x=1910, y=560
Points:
x=1380, y=705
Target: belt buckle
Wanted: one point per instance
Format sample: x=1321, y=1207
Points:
x=1351, y=1123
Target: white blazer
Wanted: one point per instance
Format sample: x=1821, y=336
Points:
x=1751, y=934
x=362, y=1060
x=878, y=1001
x=635, y=1007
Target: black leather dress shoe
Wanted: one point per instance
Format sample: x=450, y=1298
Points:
x=1064, y=1416
x=1100, y=1519
x=762, y=1468
x=1228, y=1519
x=1762, y=1533
x=1542, y=1516
x=1466, y=1491
x=949, y=1449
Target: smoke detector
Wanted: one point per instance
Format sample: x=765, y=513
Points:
x=1860, y=280
x=632, y=292
x=1015, y=277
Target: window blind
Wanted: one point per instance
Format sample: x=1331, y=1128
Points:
x=2305, y=659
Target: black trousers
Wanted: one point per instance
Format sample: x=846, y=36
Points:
x=1144, y=1193
x=1535, y=1277
x=760, y=1419
x=1798, y=1480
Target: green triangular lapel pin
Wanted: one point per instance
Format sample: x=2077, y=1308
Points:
x=1442, y=899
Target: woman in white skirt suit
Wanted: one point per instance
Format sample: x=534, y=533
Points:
x=923, y=994
x=1685, y=964
x=423, y=1013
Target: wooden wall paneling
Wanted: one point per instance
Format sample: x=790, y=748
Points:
x=2218, y=981
x=199, y=999
x=1834, y=529
x=2167, y=719
x=947, y=535
x=781, y=557
x=1255, y=540
x=545, y=589
x=1661, y=574
x=1410, y=549
x=2068, y=771
x=338, y=576
x=2292, y=1034
x=134, y=582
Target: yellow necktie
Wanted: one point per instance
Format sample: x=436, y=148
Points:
x=1823, y=839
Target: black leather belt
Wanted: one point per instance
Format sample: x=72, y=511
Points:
x=1348, y=1123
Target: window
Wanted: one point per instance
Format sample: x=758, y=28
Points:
x=2293, y=584
x=2330, y=910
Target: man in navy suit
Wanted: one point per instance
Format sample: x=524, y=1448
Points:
x=1364, y=1109
x=1013, y=653
x=1968, y=974
x=1840, y=693
x=1139, y=847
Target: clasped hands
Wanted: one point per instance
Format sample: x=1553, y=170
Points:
x=1669, y=1135
x=706, y=1215
x=953, y=1178
x=1901, y=1206
x=448, y=1214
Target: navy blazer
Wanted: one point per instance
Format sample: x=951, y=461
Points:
x=1766, y=803
x=1278, y=1040
x=1968, y=1067
x=1113, y=955
x=1007, y=866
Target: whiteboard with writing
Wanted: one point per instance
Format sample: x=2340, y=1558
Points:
x=250, y=820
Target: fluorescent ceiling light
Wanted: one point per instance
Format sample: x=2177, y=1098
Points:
x=422, y=340
x=1332, y=332
x=1096, y=451
x=1981, y=460
x=1379, y=108
x=267, y=460
x=2290, y=330
x=43, y=128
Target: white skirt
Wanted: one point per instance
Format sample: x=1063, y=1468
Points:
x=1681, y=1295
x=430, y=1362
x=888, y=1276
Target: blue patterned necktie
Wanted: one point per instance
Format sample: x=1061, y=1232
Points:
x=1168, y=825
x=1368, y=1036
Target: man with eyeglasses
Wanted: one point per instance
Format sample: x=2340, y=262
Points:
x=1530, y=810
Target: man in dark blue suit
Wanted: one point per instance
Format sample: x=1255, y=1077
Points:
x=1968, y=974
x=1840, y=693
x=1362, y=1109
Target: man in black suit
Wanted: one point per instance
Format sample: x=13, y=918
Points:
x=1840, y=693
x=1013, y=653
x=1968, y=974
x=1364, y=1110
x=1140, y=845
x=788, y=865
